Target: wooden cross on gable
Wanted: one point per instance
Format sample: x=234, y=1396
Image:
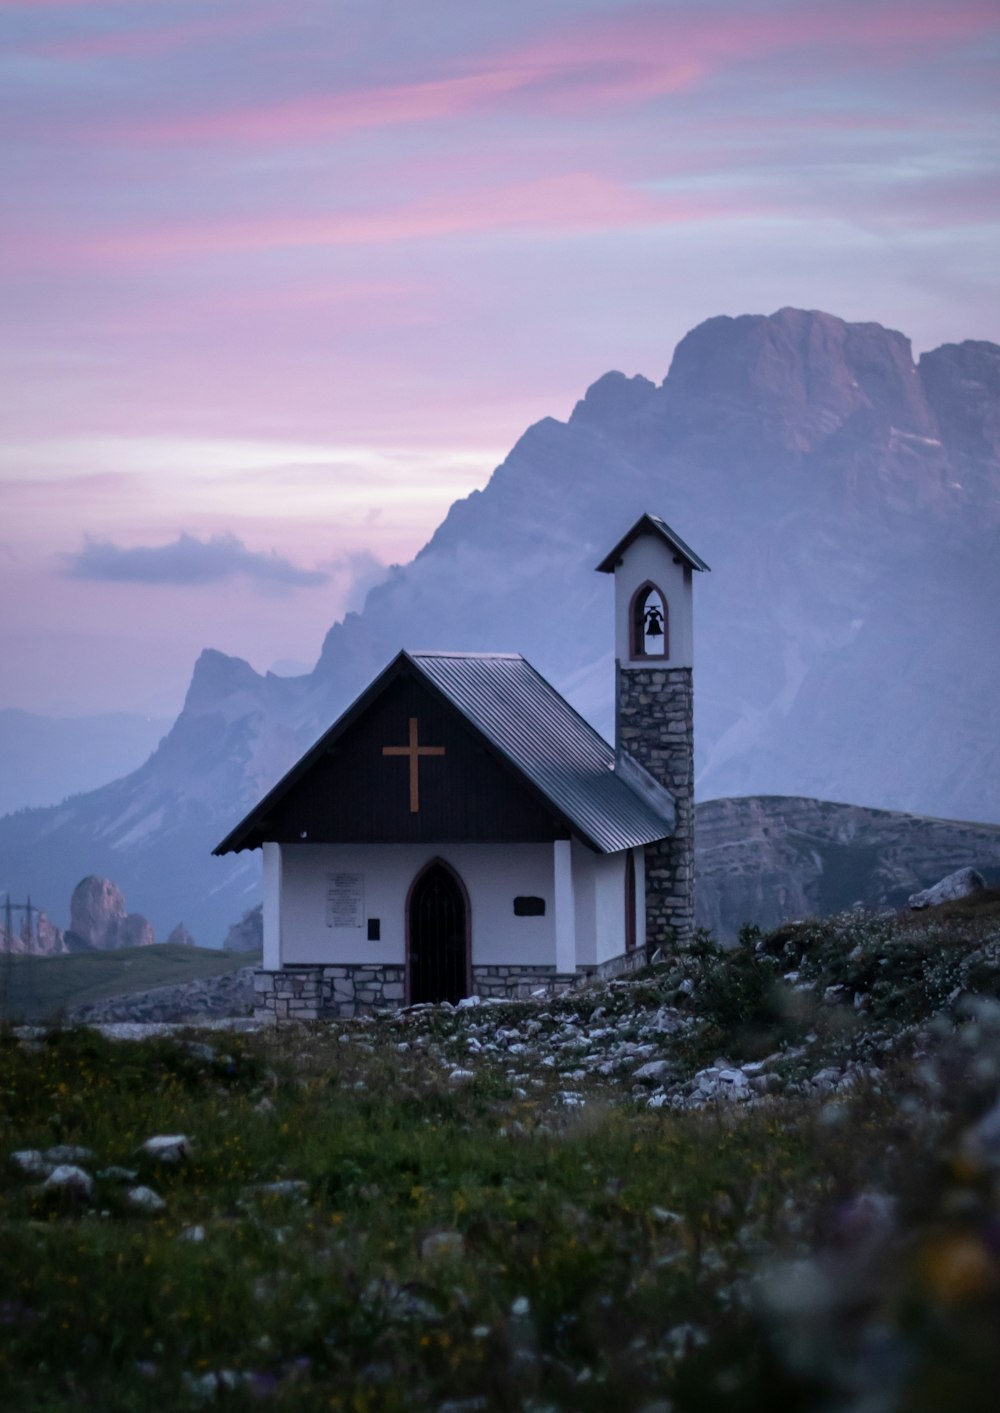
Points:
x=414, y=751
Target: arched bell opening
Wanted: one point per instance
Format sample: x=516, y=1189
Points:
x=438, y=953
x=649, y=625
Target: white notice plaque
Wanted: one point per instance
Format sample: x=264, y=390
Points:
x=345, y=899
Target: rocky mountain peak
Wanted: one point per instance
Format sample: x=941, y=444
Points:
x=796, y=377
x=962, y=385
x=217, y=676
x=612, y=398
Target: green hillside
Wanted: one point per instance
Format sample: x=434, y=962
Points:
x=36, y=987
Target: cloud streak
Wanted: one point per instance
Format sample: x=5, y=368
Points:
x=187, y=561
x=641, y=53
x=570, y=203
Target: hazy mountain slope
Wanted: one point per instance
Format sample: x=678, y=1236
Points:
x=45, y=758
x=771, y=859
x=849, y=504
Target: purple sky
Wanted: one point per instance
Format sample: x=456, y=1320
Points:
x=282, y=278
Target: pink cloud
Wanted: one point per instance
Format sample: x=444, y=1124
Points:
x=360, y=108
x=354, y=304
x=639, y=54
x=573, y=202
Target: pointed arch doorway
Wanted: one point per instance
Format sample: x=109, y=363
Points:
x=437, y=929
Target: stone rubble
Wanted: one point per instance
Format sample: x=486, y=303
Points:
x=167, y=1148
x=69, y=1180
x=213, y=997
x=145, y=1199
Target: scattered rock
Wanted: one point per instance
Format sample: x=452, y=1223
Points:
x=442, y=1243
x=69, y=1180
x=31, y=1162
x=283, y=1187
x=68, y=1153
x=145, y=1199
x=963, y=883
x=167, y=1148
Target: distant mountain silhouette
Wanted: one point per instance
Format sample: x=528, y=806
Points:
x=848, y=502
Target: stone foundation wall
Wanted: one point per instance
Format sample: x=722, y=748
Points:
x=328, y=992
x=339, y=992
x=655, y=725
x=510, y=981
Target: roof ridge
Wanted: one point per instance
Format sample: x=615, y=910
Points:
x=445, y=652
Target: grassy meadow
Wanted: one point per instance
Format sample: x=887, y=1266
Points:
x=35, y=988
x=465, y=1222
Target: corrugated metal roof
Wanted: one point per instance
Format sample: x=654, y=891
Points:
x=651, y=525
x=527, y=720
x=530, y=725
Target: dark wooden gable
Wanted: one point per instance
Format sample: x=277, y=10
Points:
x=351, y=792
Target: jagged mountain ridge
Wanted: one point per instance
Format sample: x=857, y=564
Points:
x=849, y=503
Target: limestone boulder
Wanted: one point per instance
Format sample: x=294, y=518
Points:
x=963, y=883
x=67, y=1180
x=167, y=1148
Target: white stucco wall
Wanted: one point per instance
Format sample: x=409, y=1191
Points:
x=649, y=558
x=639, y=855
x=599, y=887
x=493, y=875
x=609, y=891
x=584, y=862
x=272, y=909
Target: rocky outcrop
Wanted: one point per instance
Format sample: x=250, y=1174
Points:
x=247, y=935
x=181, y=937
x=795, y=380
x=41, y=939
x=98, y=918
x=771, y=859
x=963, y=883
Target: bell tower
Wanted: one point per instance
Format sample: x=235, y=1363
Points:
x=654, y=705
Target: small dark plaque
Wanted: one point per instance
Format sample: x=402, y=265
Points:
x=529, y=907
x=374, y=929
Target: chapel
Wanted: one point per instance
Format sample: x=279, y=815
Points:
x=460, y=830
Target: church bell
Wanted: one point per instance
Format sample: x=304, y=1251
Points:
x=654, y=623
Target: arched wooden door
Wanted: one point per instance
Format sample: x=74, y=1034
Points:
x=438, y=937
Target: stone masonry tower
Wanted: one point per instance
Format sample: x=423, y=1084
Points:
x=654, y=707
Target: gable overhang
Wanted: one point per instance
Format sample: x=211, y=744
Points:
x=652, y=525
x=248, y=833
